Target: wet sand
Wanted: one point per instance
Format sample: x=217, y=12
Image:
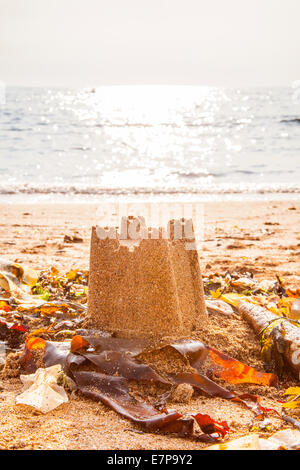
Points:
x=261, y=237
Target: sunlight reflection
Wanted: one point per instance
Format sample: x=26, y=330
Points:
x=148, y=105
x=152, y=136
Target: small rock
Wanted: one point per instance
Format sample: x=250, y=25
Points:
x=64, y=334
x=12, y=365
x=219, y=306
x=2, y=362
x=17, y=445
x=72, y=239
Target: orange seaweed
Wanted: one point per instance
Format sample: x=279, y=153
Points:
x=210, y=426
x=34, y=343
x=78, y=342
x=235, y=372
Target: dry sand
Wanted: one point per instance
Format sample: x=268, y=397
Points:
x=259, y=236
x=262, y=237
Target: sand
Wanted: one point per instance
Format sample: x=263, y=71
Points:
x=261, y=237
x=155, y=290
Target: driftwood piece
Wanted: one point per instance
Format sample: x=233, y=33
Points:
x=285, y=333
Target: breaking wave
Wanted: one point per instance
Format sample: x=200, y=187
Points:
x=69, y=190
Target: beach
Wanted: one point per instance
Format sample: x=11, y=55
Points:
x=149, y=227
x=260, y=237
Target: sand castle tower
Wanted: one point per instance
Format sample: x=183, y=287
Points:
x=145, y=282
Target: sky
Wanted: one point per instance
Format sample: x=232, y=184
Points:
x=128, y=42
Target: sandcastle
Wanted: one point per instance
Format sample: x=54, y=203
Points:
x=146, y=284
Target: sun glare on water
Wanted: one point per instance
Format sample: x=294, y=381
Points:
x=152, y=124
x=148, y=105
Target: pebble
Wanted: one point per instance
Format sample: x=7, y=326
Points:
x=182, y=393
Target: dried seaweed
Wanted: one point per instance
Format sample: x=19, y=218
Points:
x=35, y=309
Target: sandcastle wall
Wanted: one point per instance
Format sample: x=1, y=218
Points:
x=152, y=289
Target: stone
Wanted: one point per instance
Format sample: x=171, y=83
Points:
x=182, y=394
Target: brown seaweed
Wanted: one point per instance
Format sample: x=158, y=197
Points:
x=114, y=392
x=115, y=361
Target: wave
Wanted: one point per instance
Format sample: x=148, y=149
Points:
x=69, y=190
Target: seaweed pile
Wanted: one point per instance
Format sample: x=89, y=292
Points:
x=272, y=309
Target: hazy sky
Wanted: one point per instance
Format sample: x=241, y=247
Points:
x=189, y=42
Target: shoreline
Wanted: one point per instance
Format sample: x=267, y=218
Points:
x=92, y=199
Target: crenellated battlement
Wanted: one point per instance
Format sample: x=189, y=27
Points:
x=143, y=281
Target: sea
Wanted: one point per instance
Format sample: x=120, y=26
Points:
x=72, y=145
